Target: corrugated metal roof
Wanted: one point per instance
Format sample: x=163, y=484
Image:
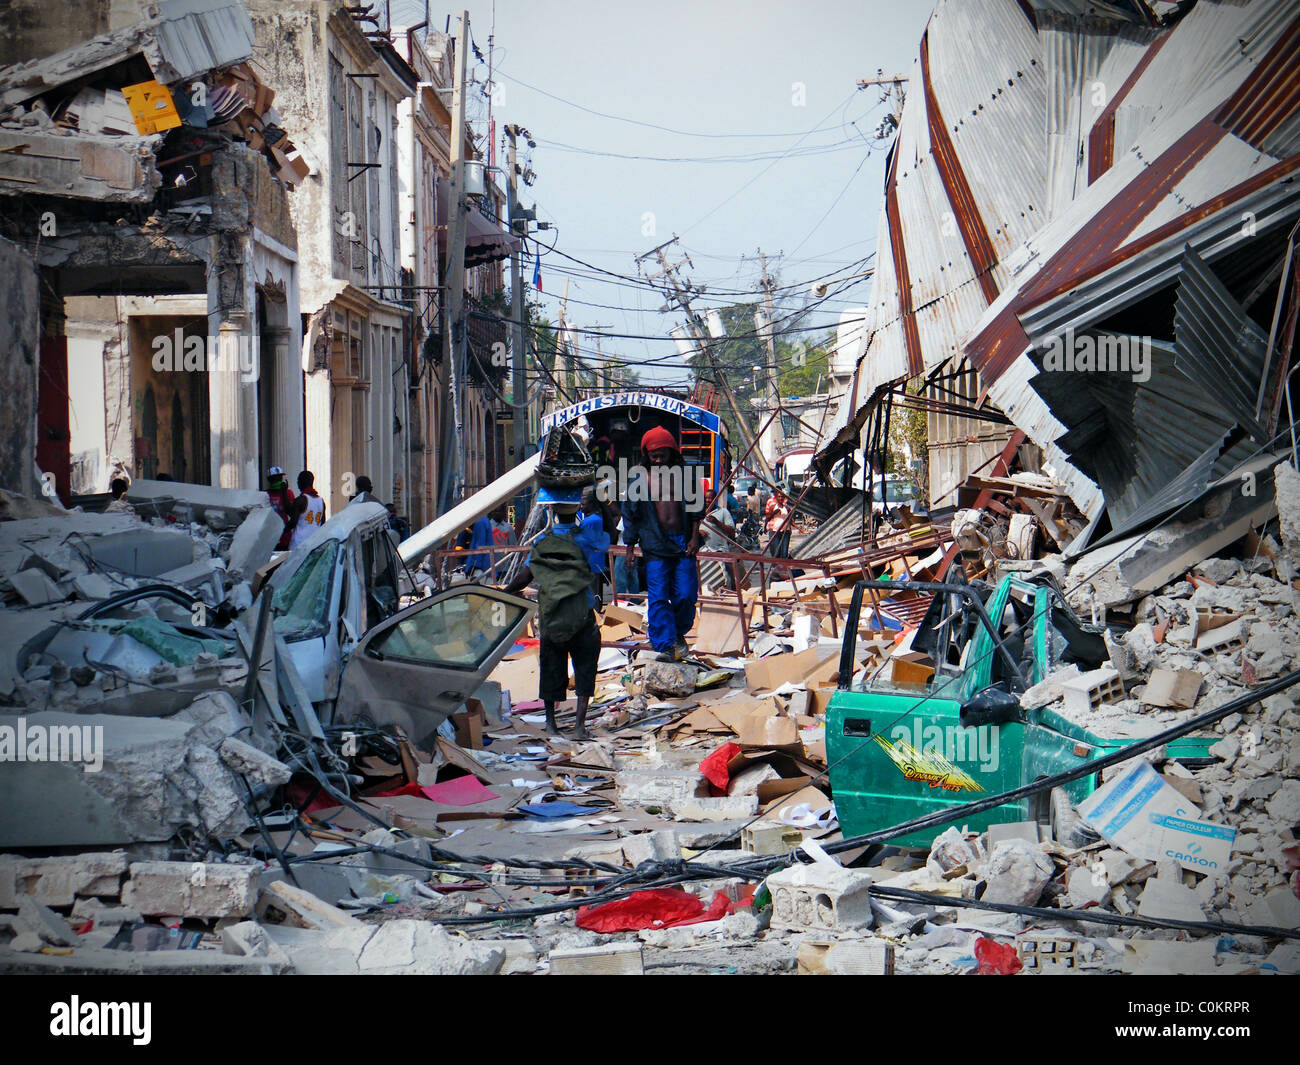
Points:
x=1163, y=173
x=193, y=36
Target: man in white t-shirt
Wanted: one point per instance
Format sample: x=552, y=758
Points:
x=308, y=510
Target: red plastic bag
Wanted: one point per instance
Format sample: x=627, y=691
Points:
x=657, y=908
x=997, y=959
x=714, y=767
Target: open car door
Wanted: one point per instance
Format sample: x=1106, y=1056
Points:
x=416, y=667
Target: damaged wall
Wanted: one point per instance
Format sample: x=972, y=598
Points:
x=19, y=328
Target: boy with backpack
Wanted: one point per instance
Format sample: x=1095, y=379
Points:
x=565, y=562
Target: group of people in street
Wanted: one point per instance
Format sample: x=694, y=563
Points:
x=568, y=564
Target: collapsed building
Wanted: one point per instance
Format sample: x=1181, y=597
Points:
x=1085, y=257
x=145, y=184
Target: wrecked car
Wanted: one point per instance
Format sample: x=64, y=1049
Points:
x=363, y=657
x=947, y=726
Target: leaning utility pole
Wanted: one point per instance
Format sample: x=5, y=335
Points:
x=768, y=333
x=456, y=341
x=681, y=296
x=519, y=386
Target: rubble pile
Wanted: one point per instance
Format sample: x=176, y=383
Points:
x=694, y=829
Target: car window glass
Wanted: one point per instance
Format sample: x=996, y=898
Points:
x=379, y=568
x=460, y=631
x=302, y=604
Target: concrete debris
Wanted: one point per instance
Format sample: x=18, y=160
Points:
x=180, y=757
x=1017, y=872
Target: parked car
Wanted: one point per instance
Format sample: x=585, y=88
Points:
x=899, y=749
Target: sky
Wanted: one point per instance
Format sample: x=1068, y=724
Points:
x=771, y=88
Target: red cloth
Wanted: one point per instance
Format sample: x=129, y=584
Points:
x=997, y=959
x=714, y=767
x=658, y=908
x=658, y=437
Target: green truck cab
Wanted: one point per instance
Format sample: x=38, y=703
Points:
x=899, y=750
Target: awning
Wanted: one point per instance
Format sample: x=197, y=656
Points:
x=485, y=241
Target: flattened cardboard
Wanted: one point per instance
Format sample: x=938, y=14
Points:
x=628, y=617
x=769, y=730
x=815, y=664
x=521, y=677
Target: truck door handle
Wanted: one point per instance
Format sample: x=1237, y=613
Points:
x=857, y=726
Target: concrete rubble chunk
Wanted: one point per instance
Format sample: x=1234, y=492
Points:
x=673, y=679
x=47, y=924
x=1084, y=887
x=192, y=889
x=1016, y=873
x=1284, y=806
x=150, y=779
x=304, y=909
x=845, y=957
x=36, y=588
x=420, y=948
x=1162, y=897
x=1286, y=487
x=248, y=761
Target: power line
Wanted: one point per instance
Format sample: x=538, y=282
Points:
x=665, y=129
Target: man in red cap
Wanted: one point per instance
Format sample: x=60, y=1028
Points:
x=659, y=516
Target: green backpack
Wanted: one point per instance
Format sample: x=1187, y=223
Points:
x=563, y=581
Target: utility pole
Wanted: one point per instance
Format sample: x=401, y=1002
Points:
x=562, y=342
x=768, y=332
x=681, y=296
x=519, y=385
x=895, y=90
x=455, y=345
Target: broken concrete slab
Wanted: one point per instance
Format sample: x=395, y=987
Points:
x=47, y=924
x=150, y=773
x=60, y=881
x=420, y=948
x=191, y=889
x=303, y=909
x=247, y=761
x=254, y=542
x=36, y=588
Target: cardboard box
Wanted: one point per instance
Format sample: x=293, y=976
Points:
x=1173, y=688
x=1140, y=813
x=628, y=617
x=912, y=668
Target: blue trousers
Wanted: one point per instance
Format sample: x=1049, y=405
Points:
x=673, y=586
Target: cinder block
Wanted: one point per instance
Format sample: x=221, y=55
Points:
x=1048, y=954
x=769, y=837
x=617, y=959
x=820, y=898
x=1090, y=690
x=1226, y=639
x=191, y=889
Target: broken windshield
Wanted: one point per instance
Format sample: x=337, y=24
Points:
x=302, y=605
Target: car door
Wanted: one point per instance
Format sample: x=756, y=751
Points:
x=416, y=667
